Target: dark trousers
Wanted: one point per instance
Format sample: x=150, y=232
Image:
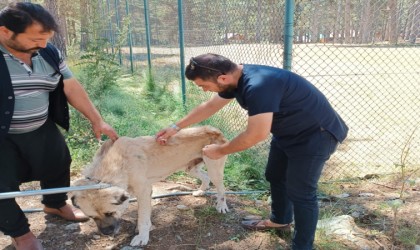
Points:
x=293, y=172
x=41, y=155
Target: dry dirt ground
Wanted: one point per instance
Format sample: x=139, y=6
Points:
x=198, y=226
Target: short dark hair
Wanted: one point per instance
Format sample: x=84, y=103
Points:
x=18, y=16
x=208, y=66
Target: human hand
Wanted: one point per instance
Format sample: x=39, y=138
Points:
x=213, y=151
x=163, y=135
x=104, y=128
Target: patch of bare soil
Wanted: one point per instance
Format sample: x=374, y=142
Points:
x=369, y=204
x=197, y=226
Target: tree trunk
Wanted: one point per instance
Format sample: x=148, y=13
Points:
x=59, y=37
x=408, y=22
x=365, y=22
x=315, y=22
x=337, y=25
x=393, y=25
x=84, y=25
x=415, y=23
x=347, y=22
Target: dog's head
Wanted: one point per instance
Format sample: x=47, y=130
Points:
x=104, y=206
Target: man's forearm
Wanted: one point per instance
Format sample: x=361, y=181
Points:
x=242, y=142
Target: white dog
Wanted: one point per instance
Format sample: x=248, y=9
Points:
x=134, y=164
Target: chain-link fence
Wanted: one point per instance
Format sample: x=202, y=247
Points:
x=363, y=55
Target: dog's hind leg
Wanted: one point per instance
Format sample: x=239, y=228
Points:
x=215, y=169
x=198, y=172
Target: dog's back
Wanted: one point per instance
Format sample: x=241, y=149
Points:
x=147, y=158
x=213, y=135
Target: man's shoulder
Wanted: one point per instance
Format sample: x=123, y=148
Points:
x=51, y=54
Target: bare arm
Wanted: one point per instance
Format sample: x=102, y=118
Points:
x=198, y=114
x=203, y=111
x=258, y=129
x=78, y=98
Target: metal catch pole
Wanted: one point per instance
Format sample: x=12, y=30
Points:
x=9, y=195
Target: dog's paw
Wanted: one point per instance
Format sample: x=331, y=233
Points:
x=140, y=240
x=199, y=193
x=222, y=208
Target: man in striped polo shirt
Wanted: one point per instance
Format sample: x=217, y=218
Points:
x=31, y=146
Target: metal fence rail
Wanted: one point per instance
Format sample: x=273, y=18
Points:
x=363, y=55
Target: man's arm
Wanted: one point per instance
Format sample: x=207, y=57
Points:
x=259, y=127
x=78, y=98
x=198, y=114
x=203, y=111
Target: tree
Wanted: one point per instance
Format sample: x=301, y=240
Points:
x=415, y=22
x=58, y=38
x=393, y=22
x=347, y=22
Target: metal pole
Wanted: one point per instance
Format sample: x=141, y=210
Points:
x=117, y=19
x=146, y=22
x=33, y=210
x=181, y=50
x=111, y=32
x=288, y=34
x=130, y=40
x=9, y=195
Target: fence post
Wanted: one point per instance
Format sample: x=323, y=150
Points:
x=130, y=40
x=111, y=31
x=288, y=34
x=181, y=50
x=146, y=23
x=117, y=19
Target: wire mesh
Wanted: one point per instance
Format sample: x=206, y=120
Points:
x=363, y=55
x=348, y=50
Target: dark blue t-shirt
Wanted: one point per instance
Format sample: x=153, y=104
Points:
x=298, y=107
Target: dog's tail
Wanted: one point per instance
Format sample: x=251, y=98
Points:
x=217, y=136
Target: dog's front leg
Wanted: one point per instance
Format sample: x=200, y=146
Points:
x=144, y=212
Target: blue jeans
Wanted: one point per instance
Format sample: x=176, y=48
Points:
x=293, y=171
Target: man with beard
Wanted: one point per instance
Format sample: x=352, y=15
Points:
x=305, y=132
x=31, y=146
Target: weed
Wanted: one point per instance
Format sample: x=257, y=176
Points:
x=408, y=236
x=236, y=238
x=405, y=176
